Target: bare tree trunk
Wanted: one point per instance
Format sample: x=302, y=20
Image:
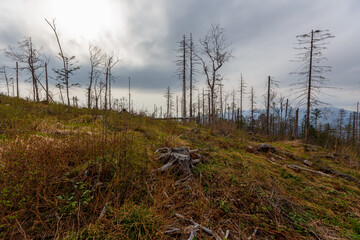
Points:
x=7, y=82
x=17, y=80
x=177, y=106
x=66, y=76
x=90, y=84
x=129, y=97
x=168, y=102
x=252, y=109
x=47, y=84
x=106, y=87
x=268, y=107
x=233, y=106
x=209, y=106
x=203, y=106
x=286, y=114
x=295, y=134
x=357, y=140
x=221, y=102
x=307, y=124
x=110, y=88
x=184, y=76
x=191, y=74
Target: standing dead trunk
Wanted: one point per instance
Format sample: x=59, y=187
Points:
x=17, y=80
x=295, y=133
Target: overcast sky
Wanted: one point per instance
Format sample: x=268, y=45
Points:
x=144, y=34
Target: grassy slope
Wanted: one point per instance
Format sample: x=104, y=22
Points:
x=61, y=167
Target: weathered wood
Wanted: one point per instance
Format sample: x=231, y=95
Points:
x=328, y=170
x=178, y=159
x=197, y=225
x=295, y=167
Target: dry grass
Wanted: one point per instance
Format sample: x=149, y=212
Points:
x=81, y=174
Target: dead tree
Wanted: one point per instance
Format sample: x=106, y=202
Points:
x=271, y=83
x=17, y=80
x=252, y=106
x=129, y=95
x=63, y=74
x=6, y=80
x=296, y=124
x=242, y=93
x=27, y=55
x=109, y=62
x=286, y=116
x=311, y=80
x=169, y=102
x=214, y=53
x=191, y=65
x=357, y=129
x=96, y=58
x=182, y=67
x=177, y=106
x=47, y=83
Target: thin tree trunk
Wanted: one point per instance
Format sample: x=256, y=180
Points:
x=191, y=75
x=307, y=124
x=184, y=77
x=90, y=84
x=177, y=106
x=286, y=113
x=106, y=86
x=295, y=134
x=17, y=80
x=268, y=108
x=110, y=88
x=47, y=83
x=129, y=97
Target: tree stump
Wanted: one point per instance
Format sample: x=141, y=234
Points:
x=179, y=160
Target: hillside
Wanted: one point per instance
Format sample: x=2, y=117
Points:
x=68, y=173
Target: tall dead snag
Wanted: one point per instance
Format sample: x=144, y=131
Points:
x=47, y=83
x=110, y=61
x=182, y=66
x=6, y=80
x=169, y=102
x=270, y=85
x=286, y=117
x=242, y=93
x=191, y=49
x=296, y=124
x=96, y=58
x=27, y=55
x=129, y=95
x=311, y=80
x=192, y=70
x=252, y=106
x=17, y=80
x=214, y=53
x=63, y=75
x=357, y=129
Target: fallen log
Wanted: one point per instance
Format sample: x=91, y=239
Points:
x=296, y=167
x=328, y=170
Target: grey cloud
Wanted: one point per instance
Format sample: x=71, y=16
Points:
x=262, y=34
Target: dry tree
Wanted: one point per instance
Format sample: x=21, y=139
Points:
x=214, y=53
x=311, y=80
